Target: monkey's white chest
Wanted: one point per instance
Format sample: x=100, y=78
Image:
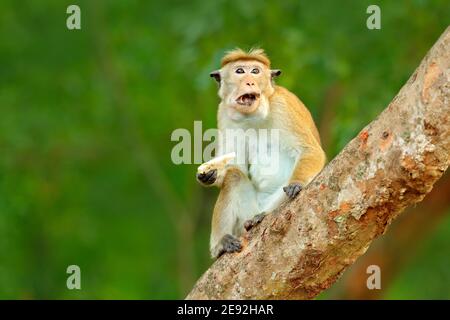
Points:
x=269, y=171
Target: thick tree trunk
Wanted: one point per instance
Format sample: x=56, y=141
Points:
x=401, y=244
x=304, y=246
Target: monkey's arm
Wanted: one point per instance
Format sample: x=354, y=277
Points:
x=310, y=162
x=308, y=165
x=311, y=157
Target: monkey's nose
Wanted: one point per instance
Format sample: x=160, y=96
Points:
x=250, y=84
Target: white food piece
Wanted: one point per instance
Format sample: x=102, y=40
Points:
x=216, y=163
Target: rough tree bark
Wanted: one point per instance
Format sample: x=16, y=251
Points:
x=304, y=246
x=393, y=252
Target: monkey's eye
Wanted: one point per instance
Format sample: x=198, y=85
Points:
x=255, y=71
x=239, y=70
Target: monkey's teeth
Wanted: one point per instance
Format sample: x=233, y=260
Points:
x=247, y=99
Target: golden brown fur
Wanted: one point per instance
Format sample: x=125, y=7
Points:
x=237, y=54
x=289, y=108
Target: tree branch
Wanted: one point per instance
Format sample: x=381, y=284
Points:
x=393, y=252
x=304, y=246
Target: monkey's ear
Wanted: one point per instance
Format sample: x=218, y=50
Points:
x=216, y=75
x=275, y=73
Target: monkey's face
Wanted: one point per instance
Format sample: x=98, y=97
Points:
x=244, y=84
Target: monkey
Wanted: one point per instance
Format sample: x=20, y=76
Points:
x=250, y=99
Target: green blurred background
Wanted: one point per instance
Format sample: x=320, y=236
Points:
x=86, y=176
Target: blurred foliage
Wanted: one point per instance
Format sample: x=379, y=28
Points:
x=86, y=176
x=427, y=276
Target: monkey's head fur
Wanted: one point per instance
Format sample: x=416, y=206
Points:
x=245, y=80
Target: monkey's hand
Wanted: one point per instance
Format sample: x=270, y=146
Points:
x=293, y=189
x=229, y=243
x=254, y=221
x=213, y=171
x=207, y=178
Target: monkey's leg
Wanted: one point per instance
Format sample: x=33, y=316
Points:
x=228, y=243
x=236, y=204
x=254, y=221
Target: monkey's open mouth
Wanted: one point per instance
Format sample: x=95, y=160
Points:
x=247, y=99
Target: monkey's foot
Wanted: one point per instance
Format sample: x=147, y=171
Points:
x=207, y=177
x=230, y=244
x=293, y=189
x=254, y=221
